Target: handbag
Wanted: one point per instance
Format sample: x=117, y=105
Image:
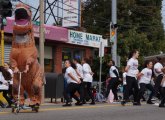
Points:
x=110, y=97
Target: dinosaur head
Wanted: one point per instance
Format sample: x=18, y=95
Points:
x=23, y=24
x=22, y=15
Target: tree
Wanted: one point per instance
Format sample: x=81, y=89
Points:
x=96, y=16
x=139, y=24
x=142, y=29
x=139, y=27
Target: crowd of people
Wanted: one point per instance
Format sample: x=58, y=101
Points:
x=79, y=77
x=135, y=82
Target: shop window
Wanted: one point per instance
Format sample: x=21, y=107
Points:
x=69, y=53
x=66, y=54
x=48, y=63
x=79, y=54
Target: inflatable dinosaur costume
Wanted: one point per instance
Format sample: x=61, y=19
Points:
x=23, y=57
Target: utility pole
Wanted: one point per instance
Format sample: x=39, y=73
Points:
x=114, y=21
x=100, y=55
x=41, y=42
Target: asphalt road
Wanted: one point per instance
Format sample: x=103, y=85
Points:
x=88, y=112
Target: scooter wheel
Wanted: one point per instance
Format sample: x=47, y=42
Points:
x=37, y=110
x=17, y=111
x=13, y=110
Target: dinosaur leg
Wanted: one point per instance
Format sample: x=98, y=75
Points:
x=36, y=91
x=15, y=90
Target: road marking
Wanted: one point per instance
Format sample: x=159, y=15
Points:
x=4, y=113
x=80, y=107
x=68, y=108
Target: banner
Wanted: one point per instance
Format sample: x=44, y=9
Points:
x=71, y=13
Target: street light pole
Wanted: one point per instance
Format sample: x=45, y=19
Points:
x=114, y=21
x=41, y=41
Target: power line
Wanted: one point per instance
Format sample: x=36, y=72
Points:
x=107, y=20
x=68, y=11
x=90, y=25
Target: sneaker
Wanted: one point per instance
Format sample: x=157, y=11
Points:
x=150, y=102
x=78, y=103
x=143, y=100
x=161, y=105
x=123, y=103
x=84, y=102
x=67, y=105
x=2, y=104
x=136, y=103
x=8, y=106
x=92, y=103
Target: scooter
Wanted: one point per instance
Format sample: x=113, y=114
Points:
x=17, y=107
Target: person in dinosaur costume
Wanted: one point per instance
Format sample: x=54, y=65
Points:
x=23, y=57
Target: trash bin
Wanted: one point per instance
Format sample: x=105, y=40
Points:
x=54, y=85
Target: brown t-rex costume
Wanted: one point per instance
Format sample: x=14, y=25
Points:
x=23, y=57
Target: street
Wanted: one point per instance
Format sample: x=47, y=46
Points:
x=98, y=112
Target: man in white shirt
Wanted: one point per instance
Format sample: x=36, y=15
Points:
x=159, y=76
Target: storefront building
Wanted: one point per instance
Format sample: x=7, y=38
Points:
x=60, y=44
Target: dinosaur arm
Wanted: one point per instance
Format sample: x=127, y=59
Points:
x=13, y=61
x=14, y=65
x=31, y=58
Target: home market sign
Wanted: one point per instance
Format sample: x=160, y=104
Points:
x=85, y=39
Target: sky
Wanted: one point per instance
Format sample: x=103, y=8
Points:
x=163, y=12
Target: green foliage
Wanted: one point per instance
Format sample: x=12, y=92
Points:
x=96, y=16
x=142, y=29
x=96, y=67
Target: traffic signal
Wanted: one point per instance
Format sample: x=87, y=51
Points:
x=112, y=32
x=5, y=8
x=114, y=26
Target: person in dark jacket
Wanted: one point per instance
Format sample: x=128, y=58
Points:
x=114, y=80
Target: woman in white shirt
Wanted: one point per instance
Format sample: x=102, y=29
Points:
x=79, y=71
x=73, y=84
x=145, y=77
x=114, y=81
x=4, y=85
x=131, y=78
x=159, y=76
x=88, y=78
x=162, y=103
x=7, y=67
